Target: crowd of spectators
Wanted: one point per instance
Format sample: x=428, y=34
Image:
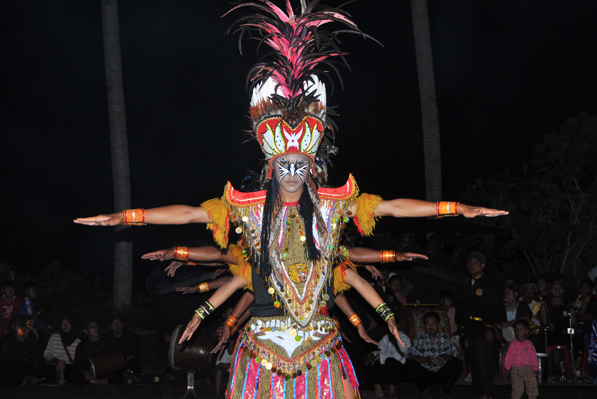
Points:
x=28, y=357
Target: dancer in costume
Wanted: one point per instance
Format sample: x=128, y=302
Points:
x=292, y=226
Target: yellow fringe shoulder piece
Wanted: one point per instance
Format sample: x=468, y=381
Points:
x=340, y=276
x=219, y=214
x=364, y=219
x=241, y=267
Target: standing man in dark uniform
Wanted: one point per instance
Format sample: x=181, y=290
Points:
x=478, y=318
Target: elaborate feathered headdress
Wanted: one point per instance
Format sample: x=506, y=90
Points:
x=288, y=102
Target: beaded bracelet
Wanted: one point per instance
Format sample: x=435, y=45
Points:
x=447, y=208
x=231, y=321
x=204, y=310
x=384, y=311
x=354, y=319
x=133, y=217
x=203, y=287
x=388, y=257
x=181, y=253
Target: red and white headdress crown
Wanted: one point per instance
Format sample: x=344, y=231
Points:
x=288, y=102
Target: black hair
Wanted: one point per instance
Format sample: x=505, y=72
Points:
x=68, y=338
x=522, y=322
x=8, y=283
x=443, y=294
x=587, y=281
x=431, y=314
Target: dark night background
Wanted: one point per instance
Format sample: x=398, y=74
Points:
x=506, y=73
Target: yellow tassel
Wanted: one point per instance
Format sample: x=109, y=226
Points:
x=340, y=276
x=241, y=267
x=218, y=213
x=364, y=219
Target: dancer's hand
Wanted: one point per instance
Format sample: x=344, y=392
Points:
x=223, y=339
x=191, y=328
x=101, y=220
x=364, y=335
x=408, y=256
x=172, y=267
x=188, y=290
x=162, y=254
x=469, y=211
x=375, y=274
x=394, y=330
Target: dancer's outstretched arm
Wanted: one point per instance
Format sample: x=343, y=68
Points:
x=372, y=297
x=366, y=255
x=218, y=298
x=342, y=303
x=172, y=214
x=403, y=208
x=207, y=256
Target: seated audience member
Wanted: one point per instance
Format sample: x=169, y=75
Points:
x=542, y=283
x=529, y=295
x=126, y=340
x=395, y=283
x=446, y=302
x=431, y=358
x=387, y=364
x=91, y=346
x=513, y=310
x=10, y=304
x=556, y=314
x=27, y=308
x=61, y=349
x=22, y=355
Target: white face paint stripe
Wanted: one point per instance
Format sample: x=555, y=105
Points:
x=290, y=168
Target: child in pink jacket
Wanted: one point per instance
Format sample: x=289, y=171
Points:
x=522, y=363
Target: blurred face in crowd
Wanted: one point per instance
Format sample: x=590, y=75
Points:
x=92, y=330
x=475, y=267
x=31, y=293
x=556, y=290
x=395, y=285
x=446, y=302
x=65, y=326
x=528, y=294
x=521, y=332
x=22, y=332
x=431, y=326
x=9, y=292
x=510, y=296
x=585, y=289
x=542, y=285
x=116, y=326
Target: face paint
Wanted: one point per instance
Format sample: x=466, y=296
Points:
x=298, y=167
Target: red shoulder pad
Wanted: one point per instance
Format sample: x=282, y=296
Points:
x=240, y=199
x=345, y=192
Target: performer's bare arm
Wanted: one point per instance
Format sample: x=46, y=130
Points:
x=342, y=303
x=173, y=214
x=403, y=208
x=217, y=283
x=366, y=255
x=241, y=308
x=218, y=298
x=371, y=296
x=207, y=256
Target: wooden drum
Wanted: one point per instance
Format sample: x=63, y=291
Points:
x=192, y=355
x=106, y=364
